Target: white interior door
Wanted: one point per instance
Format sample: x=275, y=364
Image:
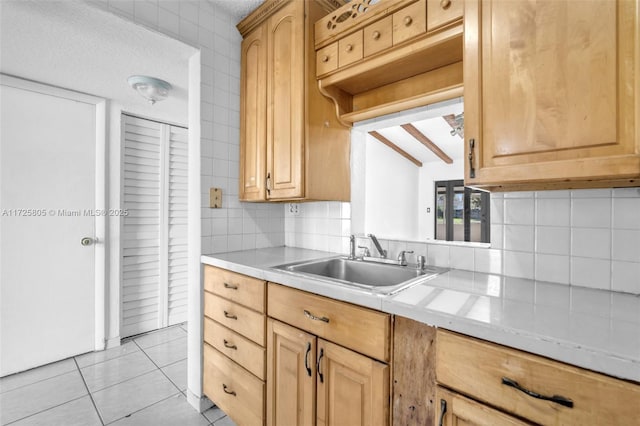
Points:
x=48, y=157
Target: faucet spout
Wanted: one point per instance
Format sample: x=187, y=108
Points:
x=383, y=253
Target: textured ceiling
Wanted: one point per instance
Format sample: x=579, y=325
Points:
x=74, y=45
x=238, y=9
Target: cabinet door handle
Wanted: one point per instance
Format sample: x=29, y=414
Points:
x=472, y=171
x=225, y=388
x=306, y=359
x=229, y=345
x=555, y=398
x=315, y=318
x=318, y=366
x=445, y=4
x=349, y=47
x=231, y=286
x=230, y=316
x=376, y=35
x=269, y=183
x=325, y=58
x=443, y=409
x=407, y=21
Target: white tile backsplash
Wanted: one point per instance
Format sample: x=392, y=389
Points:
x=588, y=238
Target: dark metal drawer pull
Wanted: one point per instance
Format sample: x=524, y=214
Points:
x=318, y=366
x=555, y=398
x=231, y=286
x=225, y=388
x=313, y=317
x=229, y=345
x=306, y=359
x=443, y=409
x=230, y=316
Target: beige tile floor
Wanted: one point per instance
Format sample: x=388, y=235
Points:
x=142, y=382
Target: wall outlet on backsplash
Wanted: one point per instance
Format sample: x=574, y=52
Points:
x=293, y=209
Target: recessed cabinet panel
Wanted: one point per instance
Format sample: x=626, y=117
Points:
x=253, y=112
x=551, y=91
x=291, y=381
x=285, y=100
x=352, y=389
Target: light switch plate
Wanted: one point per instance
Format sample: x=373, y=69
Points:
x=215, y=198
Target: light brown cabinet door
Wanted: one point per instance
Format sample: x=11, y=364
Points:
x=455, y=410
x=551, y=91
x=285, y=102
x=253, y=112
x=291, y=375
x=352, y=389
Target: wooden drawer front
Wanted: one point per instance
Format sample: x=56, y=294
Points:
x=240, y=288
x=238, y=393
x=243, y=351
x=327, y=59
x=350, y=49
x=360, y=329
x=377, y=36
x=477, y=368
x=249, y=323
x=464, y=411
x=442, y=12
x=410, y=22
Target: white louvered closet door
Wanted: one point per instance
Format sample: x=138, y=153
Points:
x=154, y=233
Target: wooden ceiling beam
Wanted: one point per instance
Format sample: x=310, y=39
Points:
x=418, y=135
x=395, y=147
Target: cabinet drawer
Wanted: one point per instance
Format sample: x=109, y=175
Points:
x=360, y=329
x=442, y=12
x=350, y=49
x=477, y=368
x=243, y=351
x=377, y=36
x=249, y=323
x=234, y=390
x=240, y=288
x=410, y=22
x=327, y=59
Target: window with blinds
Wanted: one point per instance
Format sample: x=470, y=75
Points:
x=154, y=233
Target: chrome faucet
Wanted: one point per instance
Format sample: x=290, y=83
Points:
x=365, y=251
x=383, y=253
x=402, y=260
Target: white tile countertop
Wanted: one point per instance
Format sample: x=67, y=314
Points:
x=594, y=329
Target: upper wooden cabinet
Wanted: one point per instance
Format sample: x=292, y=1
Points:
x=551, y=94
x=292, y=146
x=380, y=57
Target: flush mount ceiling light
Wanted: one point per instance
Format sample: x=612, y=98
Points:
x=151, y=88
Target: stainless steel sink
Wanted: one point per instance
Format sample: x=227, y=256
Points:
x=378, y=277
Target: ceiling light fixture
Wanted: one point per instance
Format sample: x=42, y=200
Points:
x=151, y=88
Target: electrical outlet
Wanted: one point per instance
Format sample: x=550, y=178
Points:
x=294, y=209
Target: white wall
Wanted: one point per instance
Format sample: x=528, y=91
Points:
x=392, y=191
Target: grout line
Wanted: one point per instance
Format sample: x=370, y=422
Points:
x=37, y=381
x=43, y=411
x=160, y=369
x=95, y=407
x=142, y=409
x=105, y=360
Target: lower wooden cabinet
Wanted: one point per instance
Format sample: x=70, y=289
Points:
x=455, y=409
x=311, y=381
